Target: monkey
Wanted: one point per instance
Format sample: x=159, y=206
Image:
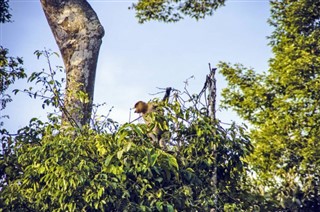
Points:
x=145, y=109
x=157, y=134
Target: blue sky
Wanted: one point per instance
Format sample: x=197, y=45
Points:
x=135, y=58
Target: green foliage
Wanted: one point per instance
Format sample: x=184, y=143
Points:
x=67, y=169
x=5, y=15
x=51, y=88
x=106, y=167
x=174, y=10
x=282, y=108
x=10, y=70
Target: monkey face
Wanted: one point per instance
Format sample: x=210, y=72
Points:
x=141, y=107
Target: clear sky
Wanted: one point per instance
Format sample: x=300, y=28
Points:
x=135, y=58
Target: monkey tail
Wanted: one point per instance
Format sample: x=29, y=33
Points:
x=167, y=94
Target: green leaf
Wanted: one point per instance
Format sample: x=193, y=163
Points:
x=154, y=158
x=173, y=162
x=170, y=208
x=108, y=160
x=120, y=153
x=159, y=206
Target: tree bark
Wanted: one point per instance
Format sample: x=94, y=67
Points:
x=212, y=89
x=78, y=33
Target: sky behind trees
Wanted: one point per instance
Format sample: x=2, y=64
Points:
x=135, y=59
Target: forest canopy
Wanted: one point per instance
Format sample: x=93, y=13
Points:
x=205, y=165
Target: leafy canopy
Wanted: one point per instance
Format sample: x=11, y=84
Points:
x=10, y=70
x=174, y=10
x=5, y=15
x=117, y=168
x=282, y=107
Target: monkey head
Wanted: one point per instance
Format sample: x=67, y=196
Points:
x=141, y=107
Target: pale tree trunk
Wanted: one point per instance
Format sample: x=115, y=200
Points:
x=78, y=33
x=212, y=88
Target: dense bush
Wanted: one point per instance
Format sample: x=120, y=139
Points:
x=69, y=169
x=49, y=167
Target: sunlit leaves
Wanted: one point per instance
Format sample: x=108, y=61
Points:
x=282, y=108
x=174, y=10
x=120, y=168
x=72, y=170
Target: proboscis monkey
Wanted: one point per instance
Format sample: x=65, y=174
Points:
x=144, y=109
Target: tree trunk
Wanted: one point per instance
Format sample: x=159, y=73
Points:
x=212, y=89
x=78, y=33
